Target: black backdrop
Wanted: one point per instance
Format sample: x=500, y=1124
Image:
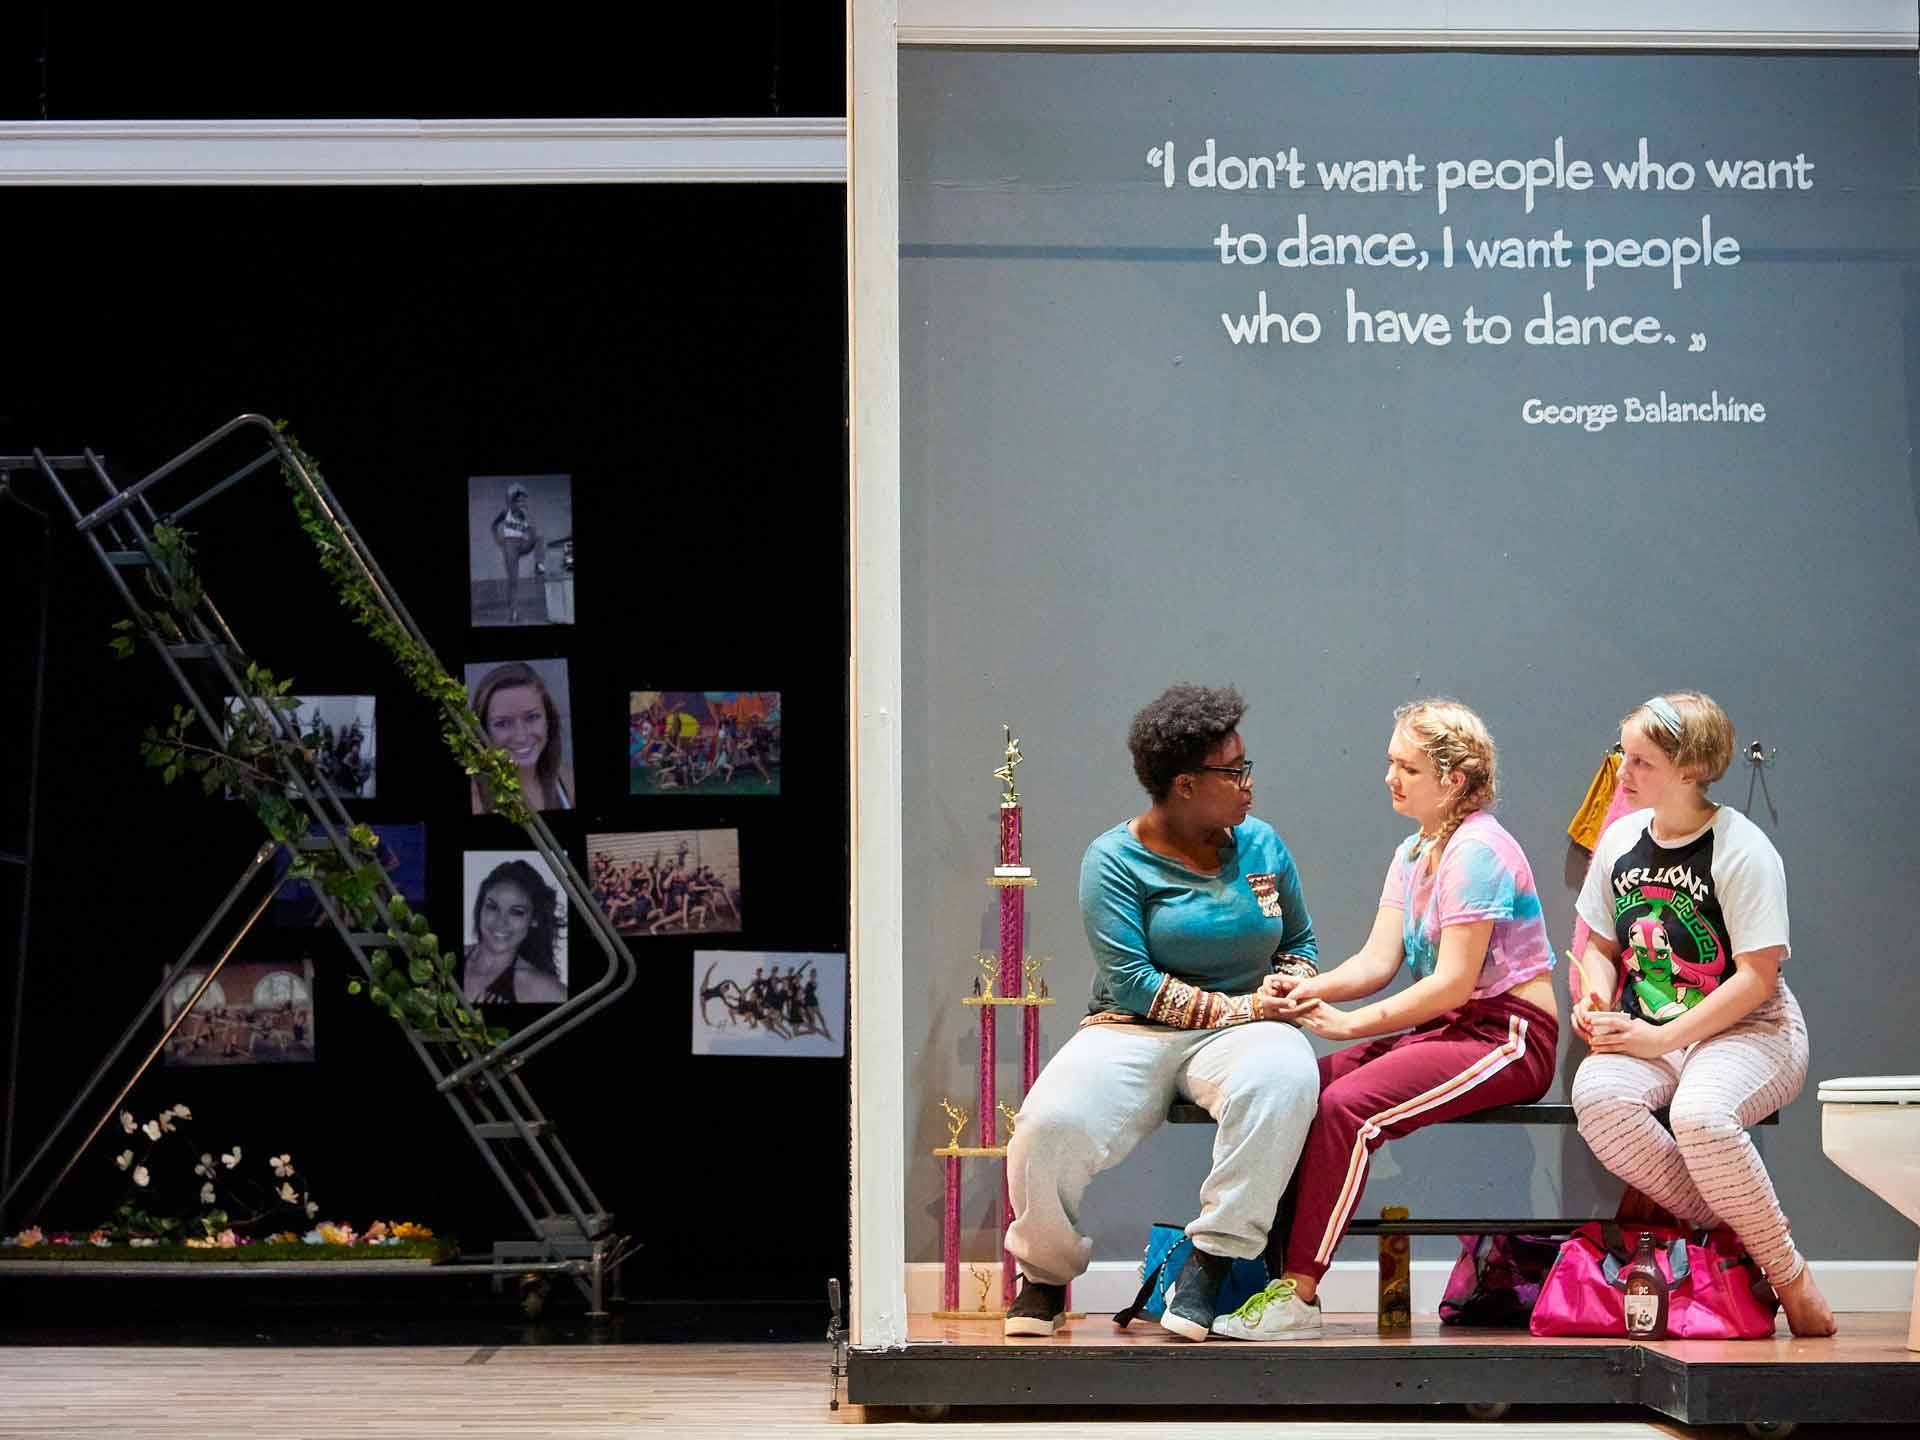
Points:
x=678, y=351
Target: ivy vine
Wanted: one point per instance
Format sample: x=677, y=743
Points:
x=414, y=980
x=500, y=781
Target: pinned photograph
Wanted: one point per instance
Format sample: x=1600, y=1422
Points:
x=757, y=1002
x=703, y=742
x=339, y=731
x=402, y=853
x=520, y=549
x=516, y=942
x=668, y=882
x=524, y=709
x=254, y=1014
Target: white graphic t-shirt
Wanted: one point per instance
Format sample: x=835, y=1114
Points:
x=1682, y=911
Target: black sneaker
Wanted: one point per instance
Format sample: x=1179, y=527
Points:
x=1037, y=1310
x=1190, y=1303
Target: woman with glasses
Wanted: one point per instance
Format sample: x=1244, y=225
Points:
x=1691, y=898
x=1186, y=907
x=1478, y=1026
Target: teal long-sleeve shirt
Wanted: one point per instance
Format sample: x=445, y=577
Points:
x=1149, y=917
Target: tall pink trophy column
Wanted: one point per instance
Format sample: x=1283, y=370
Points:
x=1003, y=974
x=950, y=1237
x=1013, y=926
x=1012, y=875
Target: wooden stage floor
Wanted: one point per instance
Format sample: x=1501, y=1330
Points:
x=1864, y=1375
x=655, y=1392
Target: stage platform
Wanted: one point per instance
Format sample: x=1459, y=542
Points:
x=1863, y=1374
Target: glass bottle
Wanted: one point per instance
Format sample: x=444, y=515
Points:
x=1396, y=1286
x=1646, y=1302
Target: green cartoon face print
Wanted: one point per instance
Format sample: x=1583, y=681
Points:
x=1666, y=984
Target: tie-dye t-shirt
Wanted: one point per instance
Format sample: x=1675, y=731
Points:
x=1483, y=875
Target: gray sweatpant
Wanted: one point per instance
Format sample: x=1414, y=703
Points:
x=1109, y=1087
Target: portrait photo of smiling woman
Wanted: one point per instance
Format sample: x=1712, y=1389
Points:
x=516, y=951
x=522, y=708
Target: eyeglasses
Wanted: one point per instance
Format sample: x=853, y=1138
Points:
x=1241, y=774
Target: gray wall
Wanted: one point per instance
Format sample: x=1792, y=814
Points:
x=1102, y=496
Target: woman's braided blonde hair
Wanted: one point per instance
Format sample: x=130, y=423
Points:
x=1457, y=741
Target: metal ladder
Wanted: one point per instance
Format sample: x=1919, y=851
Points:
x=573, y=1232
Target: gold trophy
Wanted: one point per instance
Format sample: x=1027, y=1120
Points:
x=1011, y=870
x=956, y=1122
x=984, y=1279
x=1033, y=964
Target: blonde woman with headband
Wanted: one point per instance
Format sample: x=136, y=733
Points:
x=1478, y=1026
x=1692, y=897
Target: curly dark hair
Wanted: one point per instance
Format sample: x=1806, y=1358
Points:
x=1175, y=733
x=544, y=902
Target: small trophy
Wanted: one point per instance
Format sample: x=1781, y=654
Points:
x=1011, y=869
x=984, y=1279
x=1033, y=964
x=990, y=964
x=956, y=1122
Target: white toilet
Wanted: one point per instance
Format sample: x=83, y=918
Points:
x=1870, y=1128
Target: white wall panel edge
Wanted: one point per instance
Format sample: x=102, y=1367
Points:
x=879, y=1312
x=1579, y=24
x=720, y=150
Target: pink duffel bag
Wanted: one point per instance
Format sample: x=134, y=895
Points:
x=1714, y=1289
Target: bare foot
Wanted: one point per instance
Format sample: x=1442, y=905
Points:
x=1808, y=1313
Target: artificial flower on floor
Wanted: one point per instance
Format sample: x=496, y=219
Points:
x=244, y=1210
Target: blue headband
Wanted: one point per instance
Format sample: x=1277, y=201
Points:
x=1662, y=710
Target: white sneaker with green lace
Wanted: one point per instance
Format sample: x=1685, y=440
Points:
x=1276, y=1313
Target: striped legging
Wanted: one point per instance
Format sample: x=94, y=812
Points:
x=1707, y=1170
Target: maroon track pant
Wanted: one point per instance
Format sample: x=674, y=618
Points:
x=1496, y=1051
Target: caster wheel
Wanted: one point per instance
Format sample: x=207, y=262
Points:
x=533, y=1295
x=929, y=1412
x=1770, y=1429
x=1488, y=1410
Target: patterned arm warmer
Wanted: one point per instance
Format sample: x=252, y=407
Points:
x=1285, y=962
x=1188, y=1007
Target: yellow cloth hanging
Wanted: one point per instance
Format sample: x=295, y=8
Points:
x=1591, y=818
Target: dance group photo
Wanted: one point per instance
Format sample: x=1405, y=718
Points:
x=1208, y=978
x=753, y=1003
x=250, y=1014
x=716, y=742
x=667, y=883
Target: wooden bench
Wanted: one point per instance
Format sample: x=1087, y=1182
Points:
x=1540, y=1112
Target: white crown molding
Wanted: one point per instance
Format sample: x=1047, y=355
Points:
x=1362, y=24
x=423, y=152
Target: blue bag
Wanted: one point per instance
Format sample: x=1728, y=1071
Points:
x=1160, y=1265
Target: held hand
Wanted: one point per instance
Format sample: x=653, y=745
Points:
x=1582, y=1015
x=1278, y=1007
x=1268, y=1006
x=1614, y=1033
x=1327, y=1021
x=1293, y=987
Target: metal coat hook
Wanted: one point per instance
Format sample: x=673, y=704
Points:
x=1759, y=757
